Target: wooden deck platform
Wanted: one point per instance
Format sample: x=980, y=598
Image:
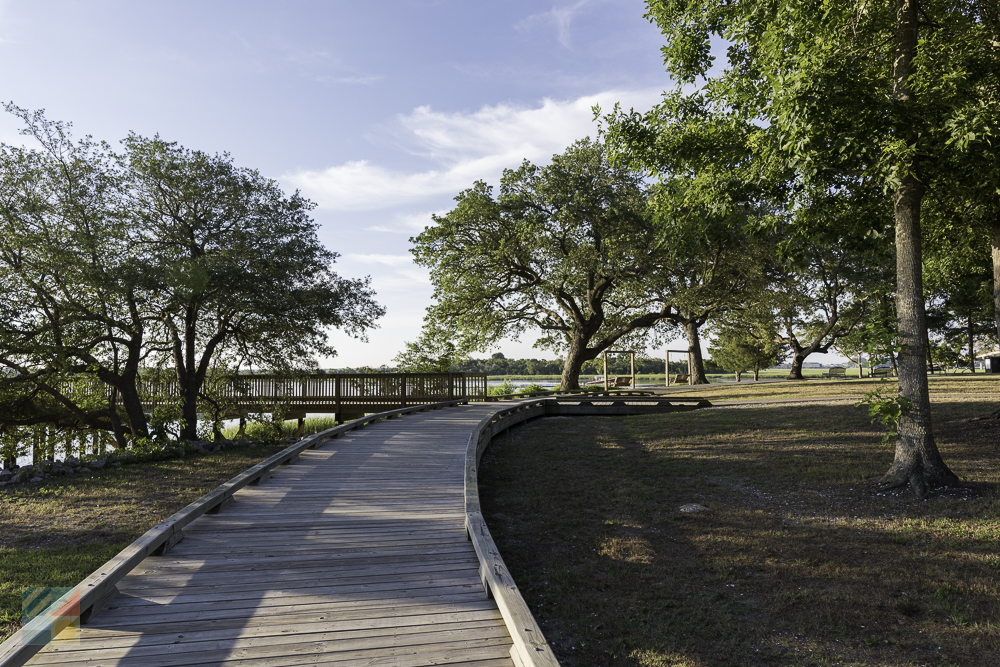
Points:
x=355, y=554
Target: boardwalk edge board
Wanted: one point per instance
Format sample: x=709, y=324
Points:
x=88, y=597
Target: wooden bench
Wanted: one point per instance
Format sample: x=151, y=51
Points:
x=681, y=379
x=837, y=372
x=623, y=381
x=882, y=373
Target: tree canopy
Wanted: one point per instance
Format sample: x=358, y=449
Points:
x=568, y=250
x=114, y=264
x=883, y=94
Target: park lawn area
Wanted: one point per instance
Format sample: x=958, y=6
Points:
x=56, y=533
x=978, y=384
x=797, y=561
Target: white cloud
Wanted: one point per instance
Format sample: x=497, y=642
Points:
x=463, y=148
x=560, y=17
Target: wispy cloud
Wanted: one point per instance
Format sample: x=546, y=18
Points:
x=559, y=17
x=385, y=260
x=408, y=223
x=363, y=80
x=462, y=148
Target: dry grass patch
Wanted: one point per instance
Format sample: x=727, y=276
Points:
x=58, y=532
x=795, y=564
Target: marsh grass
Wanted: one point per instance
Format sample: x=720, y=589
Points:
x=265, y=432
x=56, y=533
x=797, y=563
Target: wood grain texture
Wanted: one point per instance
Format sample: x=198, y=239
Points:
x=356, y=553
x=364, y=544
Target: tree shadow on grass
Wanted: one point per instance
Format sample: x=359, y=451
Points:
x=794, y=564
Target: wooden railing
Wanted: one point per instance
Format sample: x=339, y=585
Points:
x=328, y=392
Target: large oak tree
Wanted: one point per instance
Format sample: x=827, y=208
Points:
x=568, y=249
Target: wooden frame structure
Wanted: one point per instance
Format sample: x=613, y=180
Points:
x=631, y=355
x=666, y=362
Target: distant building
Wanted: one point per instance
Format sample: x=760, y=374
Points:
x=991, y=361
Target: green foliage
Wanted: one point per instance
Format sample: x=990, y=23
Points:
x=264, y=431
x=885, y=407
x=433, y=352
x=505, y=388
x=745, y=347
x=158, y=255
x=567, y=250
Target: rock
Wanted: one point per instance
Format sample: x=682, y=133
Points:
x=83, y=470
x=6, y=475
x=690, y=508
x=35, y=480
x=116, y=464
x=98, y=464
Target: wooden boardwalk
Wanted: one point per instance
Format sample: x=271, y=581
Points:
x=355, y=554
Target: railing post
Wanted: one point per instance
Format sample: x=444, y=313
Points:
x=402, y=392
x=336, y=396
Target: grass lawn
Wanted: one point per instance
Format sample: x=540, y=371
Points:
x=796, y=563
x=58, y=532
x=982, y=385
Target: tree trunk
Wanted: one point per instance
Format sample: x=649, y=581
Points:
x=795, y=373
x=696, y=372
x=996, y=272
x=918, y=461
x=128, y=394
x=756, y=373
x=189, y=410
x=738, y=373
x=573, y=365
x=972, y=344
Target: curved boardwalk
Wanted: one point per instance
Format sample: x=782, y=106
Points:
x=355, y=554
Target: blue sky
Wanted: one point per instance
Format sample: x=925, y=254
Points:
x=380, y=112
